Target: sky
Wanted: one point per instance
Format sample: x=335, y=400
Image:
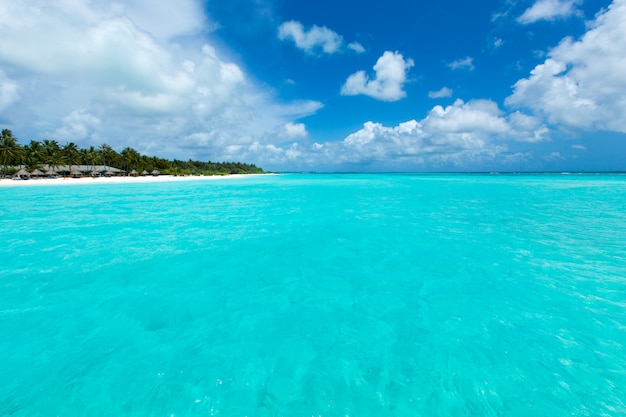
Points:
x=399, y=85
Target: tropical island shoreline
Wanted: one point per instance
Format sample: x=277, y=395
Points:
x=47, y=159
x=117, y=180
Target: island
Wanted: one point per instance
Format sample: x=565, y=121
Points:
x=48, y=159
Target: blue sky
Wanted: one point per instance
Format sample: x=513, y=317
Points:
x=399, y=85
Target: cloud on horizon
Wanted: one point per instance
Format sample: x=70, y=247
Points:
x=453, y=136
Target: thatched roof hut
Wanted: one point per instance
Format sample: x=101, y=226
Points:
x=155, y=172
x=37, y=173
x=133, y=173
x=144, y=172
x=61, y=169
x=76, y=173
x=22, y=173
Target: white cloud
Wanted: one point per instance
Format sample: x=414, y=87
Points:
x=527, y=128
x=554, y=156
x=443, y=92
x=293, y=152
x=460, y=135
x=310, y=40
x=466, y=63
x=296, y=109
x=579, y=147
x=105, y=71
x=388, y=82
x=457, y=135
x=78, y=125
x=476, y=117
x=8, y=91
x=582, y=83
x=165, y=19
x=356, y=47
x=549, y=10
x=295, y=130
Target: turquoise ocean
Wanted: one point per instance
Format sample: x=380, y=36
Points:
x=315, y=295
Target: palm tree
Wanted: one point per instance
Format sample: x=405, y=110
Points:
x=55, y=159
x=10, y=151
x=105, y=151
x=34, y=150
x=125, y=159
x=131, y=157
x=32, y=164
x=52, y=153
x=50, y=146
x=92, y=157
x=71, y=155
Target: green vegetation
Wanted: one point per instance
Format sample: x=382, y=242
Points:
x=36, y=154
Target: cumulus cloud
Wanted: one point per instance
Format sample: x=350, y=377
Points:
x=388, y=82
x=295, y=130
x=356, y=47
x=549, y=10
x=311, y=40
x=527, y=128
x=476, y=117
x=582, y=82
x=443, y=92
x=466, y=63
x=456, y=135
x=111, y=71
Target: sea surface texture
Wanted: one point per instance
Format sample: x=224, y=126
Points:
x=316, y=295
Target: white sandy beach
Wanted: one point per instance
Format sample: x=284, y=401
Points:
x=115, y=180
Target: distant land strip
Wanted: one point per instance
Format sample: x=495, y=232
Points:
x=47, y=158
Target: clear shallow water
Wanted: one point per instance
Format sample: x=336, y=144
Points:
x=307, y=295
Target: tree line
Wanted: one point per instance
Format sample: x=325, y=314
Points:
x=35, y=154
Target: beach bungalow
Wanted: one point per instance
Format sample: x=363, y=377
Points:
x=155, y=173
x=21, y=174
x=133, y=173
x=50, y=173
x=75, y=171
x=58, y=170
x=144, y=173
x=37, y=173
